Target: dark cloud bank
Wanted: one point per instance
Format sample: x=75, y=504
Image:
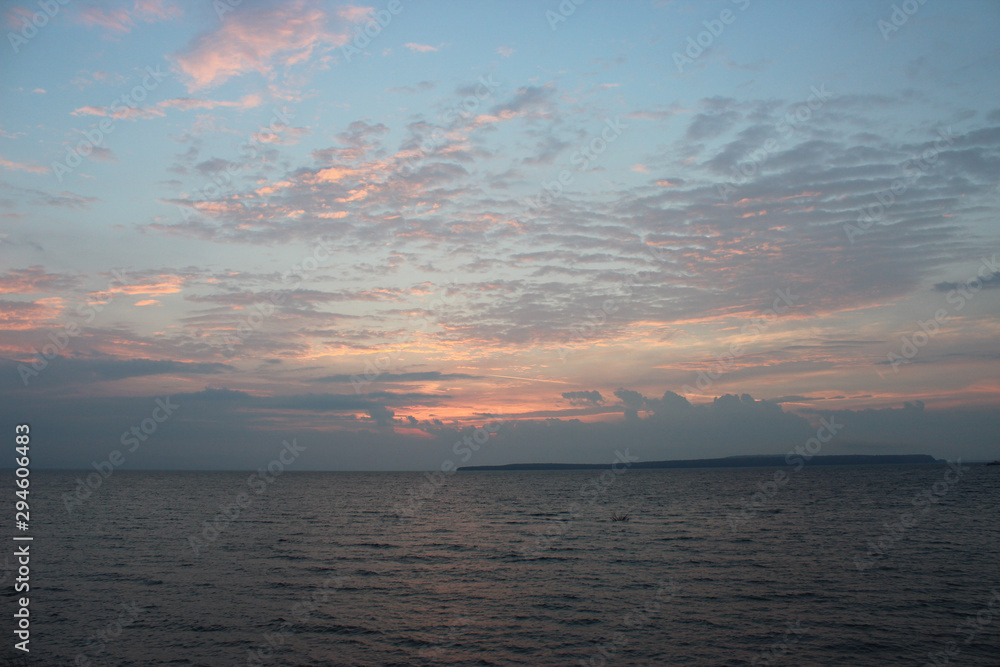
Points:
x=225, y=429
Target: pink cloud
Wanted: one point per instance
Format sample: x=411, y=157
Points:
x=262, y=40
x=421, y=48
x=160, y=9
x=16, y=16
x=121, y=20
x=122, y=113
x=23, y=166
x=354, y=14
x=115, y=20
x=189, y=103
x=284, y=135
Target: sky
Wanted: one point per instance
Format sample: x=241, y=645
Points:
x=690, y=229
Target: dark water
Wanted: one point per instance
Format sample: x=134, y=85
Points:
x=318, y=570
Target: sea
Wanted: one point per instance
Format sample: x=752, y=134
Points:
x=841, y=565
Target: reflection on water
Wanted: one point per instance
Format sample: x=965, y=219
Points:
x=318, y=570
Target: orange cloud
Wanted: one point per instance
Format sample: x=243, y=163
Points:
x=34, y=279
x=26, y=315
x=163, y=284
x=333, y=174
x=23, y=166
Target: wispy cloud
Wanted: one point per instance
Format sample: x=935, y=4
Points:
x=122, y=19
x=23, y=166
x=422, y=48
x=264, y=39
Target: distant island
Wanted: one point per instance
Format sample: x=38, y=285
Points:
x=765, y=461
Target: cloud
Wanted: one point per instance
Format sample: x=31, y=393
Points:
x=190, y=103
x=26, y=315
x=422, y=48
x=120, y=112
x=63, y=199
x=354, y=14
x=423, y=376
x=633, y=400
x=989, y=281
x=121, y=20
x=710, y=125
x=35, y=280
x=381, y=415
x=23, y=166
x=102, y=154
x=63, y=371
x=796, y=399
x=422, y=86
x=585, y=398
x=263, y=39
x=150, y=283
x=365, y=439
x=671, y=429
x=284, y=135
